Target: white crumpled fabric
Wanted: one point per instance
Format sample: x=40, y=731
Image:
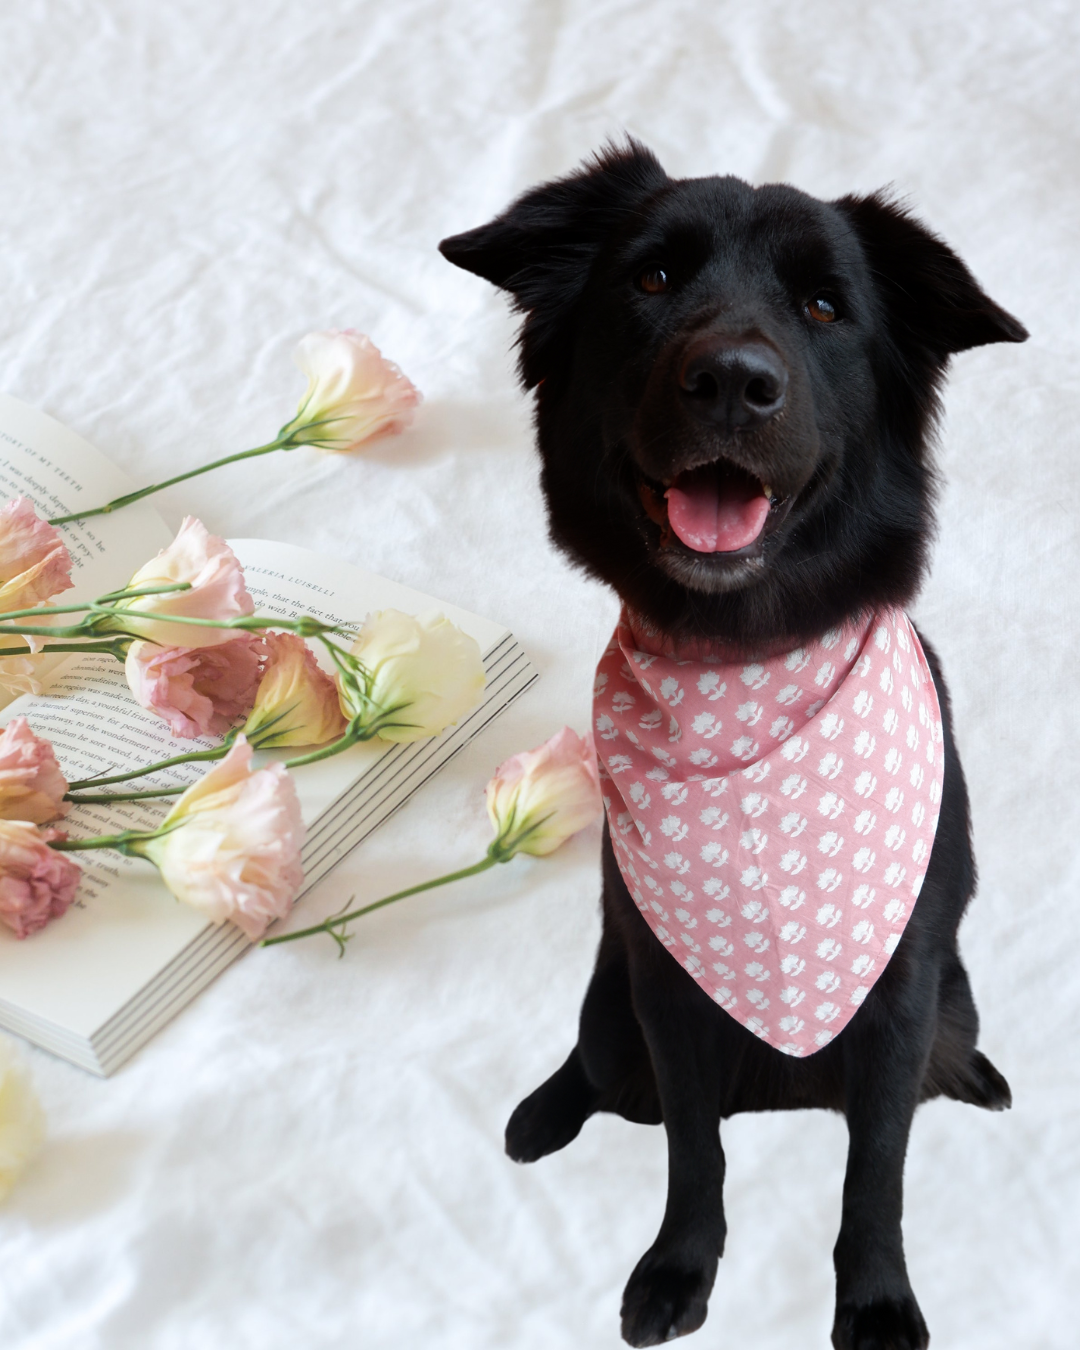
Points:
x=310, y=1156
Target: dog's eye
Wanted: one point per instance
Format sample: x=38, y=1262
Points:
x=822, y=309
x=653, y=281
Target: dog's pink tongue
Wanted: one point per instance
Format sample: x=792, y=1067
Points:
x=710, y=516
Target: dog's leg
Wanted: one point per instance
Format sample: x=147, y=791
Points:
x=886, y=1050
x=608, y=1069
x=957, y=1069
x=549, y=1118
x=667, y=1295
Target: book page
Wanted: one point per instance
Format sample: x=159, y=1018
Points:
x=125, y=926
x=59, y=472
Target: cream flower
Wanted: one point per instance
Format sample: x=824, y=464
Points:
x=422, y=674
x=217, y=591
x=22, y=1121
x=31, y=785
x=34, y=566
x=17, y=674
x=539, y=798
x=297, y=702
x=199, y=691
x=235, y=850
x=37, y=883
x=353, y=393
x=34, y=563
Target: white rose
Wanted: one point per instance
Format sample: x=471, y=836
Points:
x=419, y=675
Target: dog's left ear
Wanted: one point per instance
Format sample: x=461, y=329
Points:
x=936, y=303
x=542, y=247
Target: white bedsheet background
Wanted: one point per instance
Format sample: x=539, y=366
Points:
x=311, y=1155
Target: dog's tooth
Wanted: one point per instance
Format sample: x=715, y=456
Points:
x=767, y=490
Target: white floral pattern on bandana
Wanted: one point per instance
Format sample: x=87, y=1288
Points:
x=773, y=819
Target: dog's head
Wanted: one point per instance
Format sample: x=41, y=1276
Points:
x=736, y=388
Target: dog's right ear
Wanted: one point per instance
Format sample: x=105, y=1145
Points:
x=936, y=305
x=542, y=247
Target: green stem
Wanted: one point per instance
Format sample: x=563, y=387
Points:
x=133, y=593
x=328, y=925
x=125, y=594
x=192, y=757
x=351, y=737
x=41, y=610
x=305, y=626
x=121, y=842
x=111, y=647
x=71, y=845
x=334, y=748
x=218, y=752
x=130, y=497
x=71, y=630
x=103, y=798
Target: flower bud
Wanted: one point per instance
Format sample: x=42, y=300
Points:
x=22, y=1121
x=539, y=798
x=353, y=393
x=231, y=845
x=32, y=787
x=297, y=702
x=418, y=675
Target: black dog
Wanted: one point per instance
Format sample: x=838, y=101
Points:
x=780, y=340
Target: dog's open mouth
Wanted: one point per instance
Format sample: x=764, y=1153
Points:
x=715, y=508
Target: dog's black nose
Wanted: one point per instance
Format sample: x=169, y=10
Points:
x=733, y=382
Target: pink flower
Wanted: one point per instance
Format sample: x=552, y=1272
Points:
x=199, y=691
x=34, y=563
x=353, y=393
x=217, y=591
x=31, y=785
x=538, y=799
x=297, y=702
x=36, y=883
x=235, y=850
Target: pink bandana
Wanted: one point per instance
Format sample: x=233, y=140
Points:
x=772, y=820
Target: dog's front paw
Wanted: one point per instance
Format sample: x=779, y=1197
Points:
x=885, y=1324
x=551, y=1116
x=665, y=1298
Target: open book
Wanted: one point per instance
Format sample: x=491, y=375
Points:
x=96, y=984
